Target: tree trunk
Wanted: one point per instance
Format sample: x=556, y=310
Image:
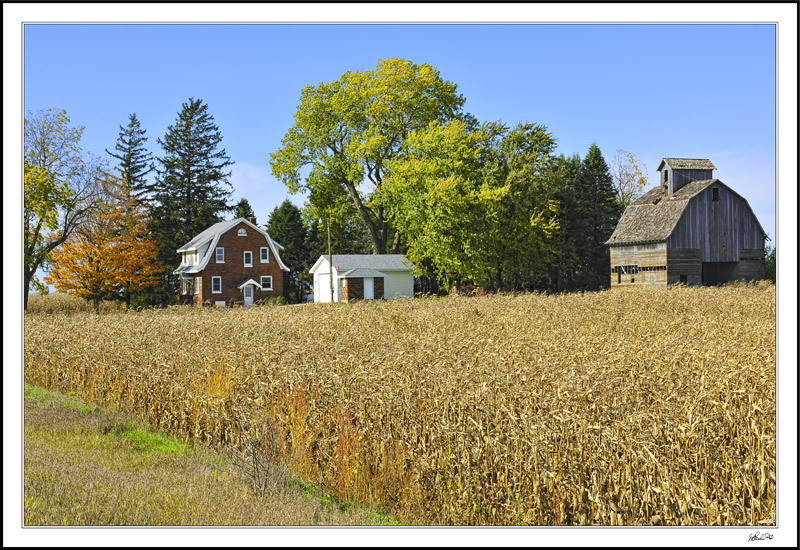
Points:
x=96, y=304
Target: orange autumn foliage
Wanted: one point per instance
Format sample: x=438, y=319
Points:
x=112, y=254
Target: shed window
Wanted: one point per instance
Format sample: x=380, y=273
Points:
x=248, y=258
x=715, y=194
x=666, y=176
x=216, y=285
x=266, y=282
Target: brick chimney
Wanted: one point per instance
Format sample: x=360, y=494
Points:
x=252, y=219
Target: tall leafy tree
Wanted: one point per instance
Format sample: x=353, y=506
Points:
x=475, y=204
x=192, y=185
x=243, y=210
x=111, y=254
x=346, y=131
x=134, y=161
x=60, y=188
x=285, y=225
x=629, y=175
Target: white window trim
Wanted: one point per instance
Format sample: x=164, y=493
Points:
x=246, y=252
x=216, y=254
x=263, y=287
x=261, y=254
x=212, y=285
x=242, y=232
x=197, y=285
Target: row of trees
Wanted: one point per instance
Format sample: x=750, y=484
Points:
x=387, y=157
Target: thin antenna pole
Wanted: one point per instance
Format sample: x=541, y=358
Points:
x=330, y=260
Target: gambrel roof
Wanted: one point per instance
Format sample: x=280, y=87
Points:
x=211, y=237
x=653, y=216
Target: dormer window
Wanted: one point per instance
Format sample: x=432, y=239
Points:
x=242, y=232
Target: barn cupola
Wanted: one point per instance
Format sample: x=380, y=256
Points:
x=675, y=173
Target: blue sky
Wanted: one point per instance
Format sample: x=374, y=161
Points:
x=697, y=91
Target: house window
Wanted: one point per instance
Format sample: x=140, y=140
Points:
x=220, y=255
x=187, y=286
x=248, y=258
x=715, y=194
x=197, y=285
x=242, y=232
x=266, y=282
x=264, y=254
x=216, y=285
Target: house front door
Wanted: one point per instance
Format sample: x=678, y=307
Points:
x=248, y=295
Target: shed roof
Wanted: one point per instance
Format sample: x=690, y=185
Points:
x=653, y=216
x=687, y=164
x=380, y=262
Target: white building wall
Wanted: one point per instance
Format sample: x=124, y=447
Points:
x=397, y=284
x=322, y=285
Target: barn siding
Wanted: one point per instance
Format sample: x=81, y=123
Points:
x=719, y=229
x=684, y=261
x=642, y=256
x=679, y=178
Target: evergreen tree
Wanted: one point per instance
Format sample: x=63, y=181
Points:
x=135, y=162
x=597, y=212
x=285, y=226
x=192, y=187
x=243, y=210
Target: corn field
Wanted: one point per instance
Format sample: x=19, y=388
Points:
x=641, y=406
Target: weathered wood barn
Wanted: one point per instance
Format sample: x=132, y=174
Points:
x=690, y=229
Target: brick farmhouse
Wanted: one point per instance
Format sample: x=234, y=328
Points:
x=232, y=262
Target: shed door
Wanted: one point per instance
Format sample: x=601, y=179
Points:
x=369, y=288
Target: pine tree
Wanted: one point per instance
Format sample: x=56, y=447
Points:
x=135, y=162
x=192, y=185
x=243, y=210
x=598, y=212
x=285, y=226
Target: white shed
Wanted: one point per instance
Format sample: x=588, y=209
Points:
x=363, y=276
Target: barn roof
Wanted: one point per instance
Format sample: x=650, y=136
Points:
x=653, y=216
x=687, y=164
